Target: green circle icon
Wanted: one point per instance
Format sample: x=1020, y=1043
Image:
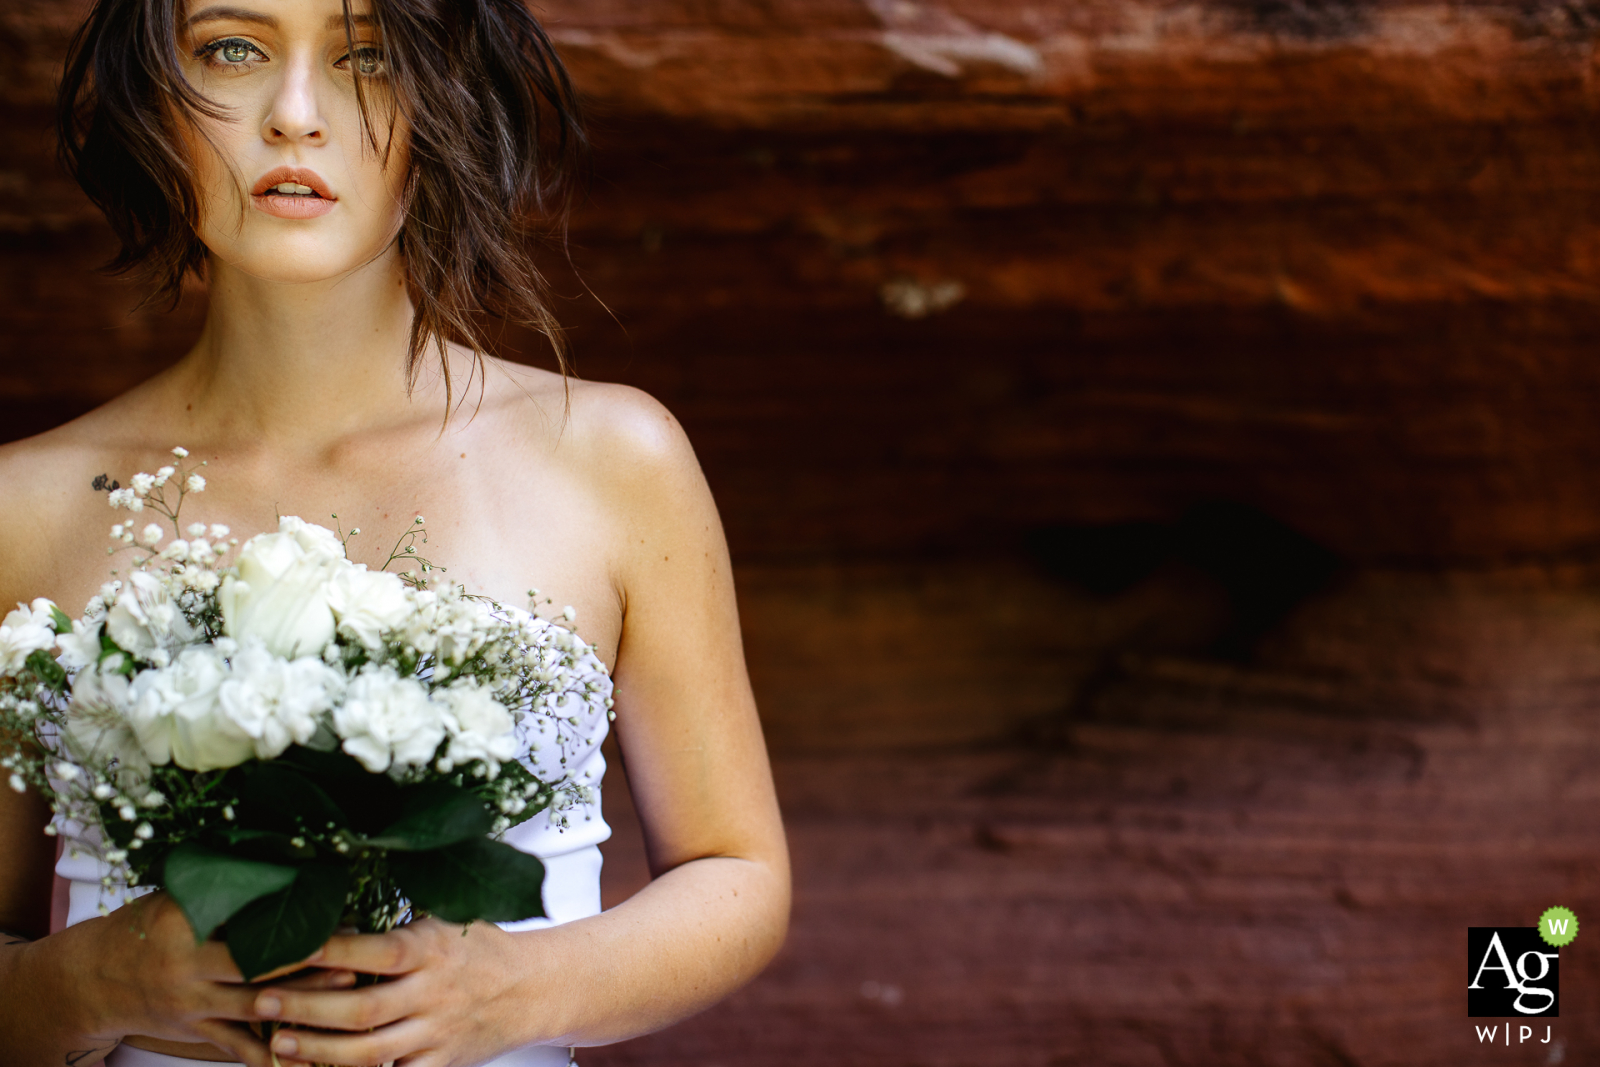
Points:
x=1558, y=926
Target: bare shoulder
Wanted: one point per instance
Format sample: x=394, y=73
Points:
x=616, y=433
x=47, y=495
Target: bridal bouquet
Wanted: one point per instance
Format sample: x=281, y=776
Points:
x=285, y=741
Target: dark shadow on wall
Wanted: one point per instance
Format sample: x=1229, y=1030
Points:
x=1260, y=567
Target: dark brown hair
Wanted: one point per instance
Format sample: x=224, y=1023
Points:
x=494, y=136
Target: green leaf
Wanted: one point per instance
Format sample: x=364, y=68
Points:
x=210, y=886
x=270, y=843
x=290, y=924
x=63, y=623
x=433, y=816
x=478, y=879
x=276, y=797
x=49, y=671
x=368, y=800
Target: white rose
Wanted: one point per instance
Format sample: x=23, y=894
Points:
x=388, y=722
x=24, y=632
x=317, y=540
x=366, y=603
x=177, y=715
x=145, y=618
x=278, y=702
x=280, y=595
x=480, y=727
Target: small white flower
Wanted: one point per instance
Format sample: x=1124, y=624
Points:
x=143, y=483
x=150, y=535
x=219, y=531
x=126, y=813
x=181, y=452
x=18, y=784
x=163, y=474
x=144, y=831
x=121, y=498
x=177, y=549
x=197, y=529
x=569, y=613
x=227, y=812
x=104, y=792
x=116, y=531
x=195, y=484
x=198, y=578
x=67, y=772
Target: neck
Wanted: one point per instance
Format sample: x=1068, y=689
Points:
x=303, y=364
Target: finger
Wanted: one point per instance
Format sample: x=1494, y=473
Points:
x=317, y=978
x=351, y=1009
x=219, y=1001
x=353, y=1050
x=215, y=963
x=391, y=953
x=236, y=1040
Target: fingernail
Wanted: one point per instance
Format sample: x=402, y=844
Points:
x=285, y=1044
x=268, y=1007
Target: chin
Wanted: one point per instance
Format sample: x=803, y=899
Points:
x=297, y=259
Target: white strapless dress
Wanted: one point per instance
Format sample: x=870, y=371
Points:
x=569, y=845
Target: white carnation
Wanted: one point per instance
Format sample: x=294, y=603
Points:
x=177, y=714
x=387, y=722
x=278, y=702
x=145, y=618
x=24, y=632
x=480, y=727
x=366, y=603
x=280, y=595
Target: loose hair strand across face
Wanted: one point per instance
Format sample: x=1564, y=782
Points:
x=492, y=137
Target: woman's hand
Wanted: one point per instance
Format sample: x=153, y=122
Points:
x=139, y=972
x=450, y=998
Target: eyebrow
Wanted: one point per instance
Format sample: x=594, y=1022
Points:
x=237, y=14
x=240, y=14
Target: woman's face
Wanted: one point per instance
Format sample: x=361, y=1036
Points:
x=290, y=189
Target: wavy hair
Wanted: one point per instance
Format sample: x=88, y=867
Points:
x=494, y=137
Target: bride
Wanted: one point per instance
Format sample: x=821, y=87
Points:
x=350, y=179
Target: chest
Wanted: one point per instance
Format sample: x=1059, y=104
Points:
x=502, y=516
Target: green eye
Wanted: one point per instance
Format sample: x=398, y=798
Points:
x=232, y=52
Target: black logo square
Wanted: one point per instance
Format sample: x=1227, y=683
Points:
x=1511, y=973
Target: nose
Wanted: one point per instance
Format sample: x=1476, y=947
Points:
x=295, y=114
